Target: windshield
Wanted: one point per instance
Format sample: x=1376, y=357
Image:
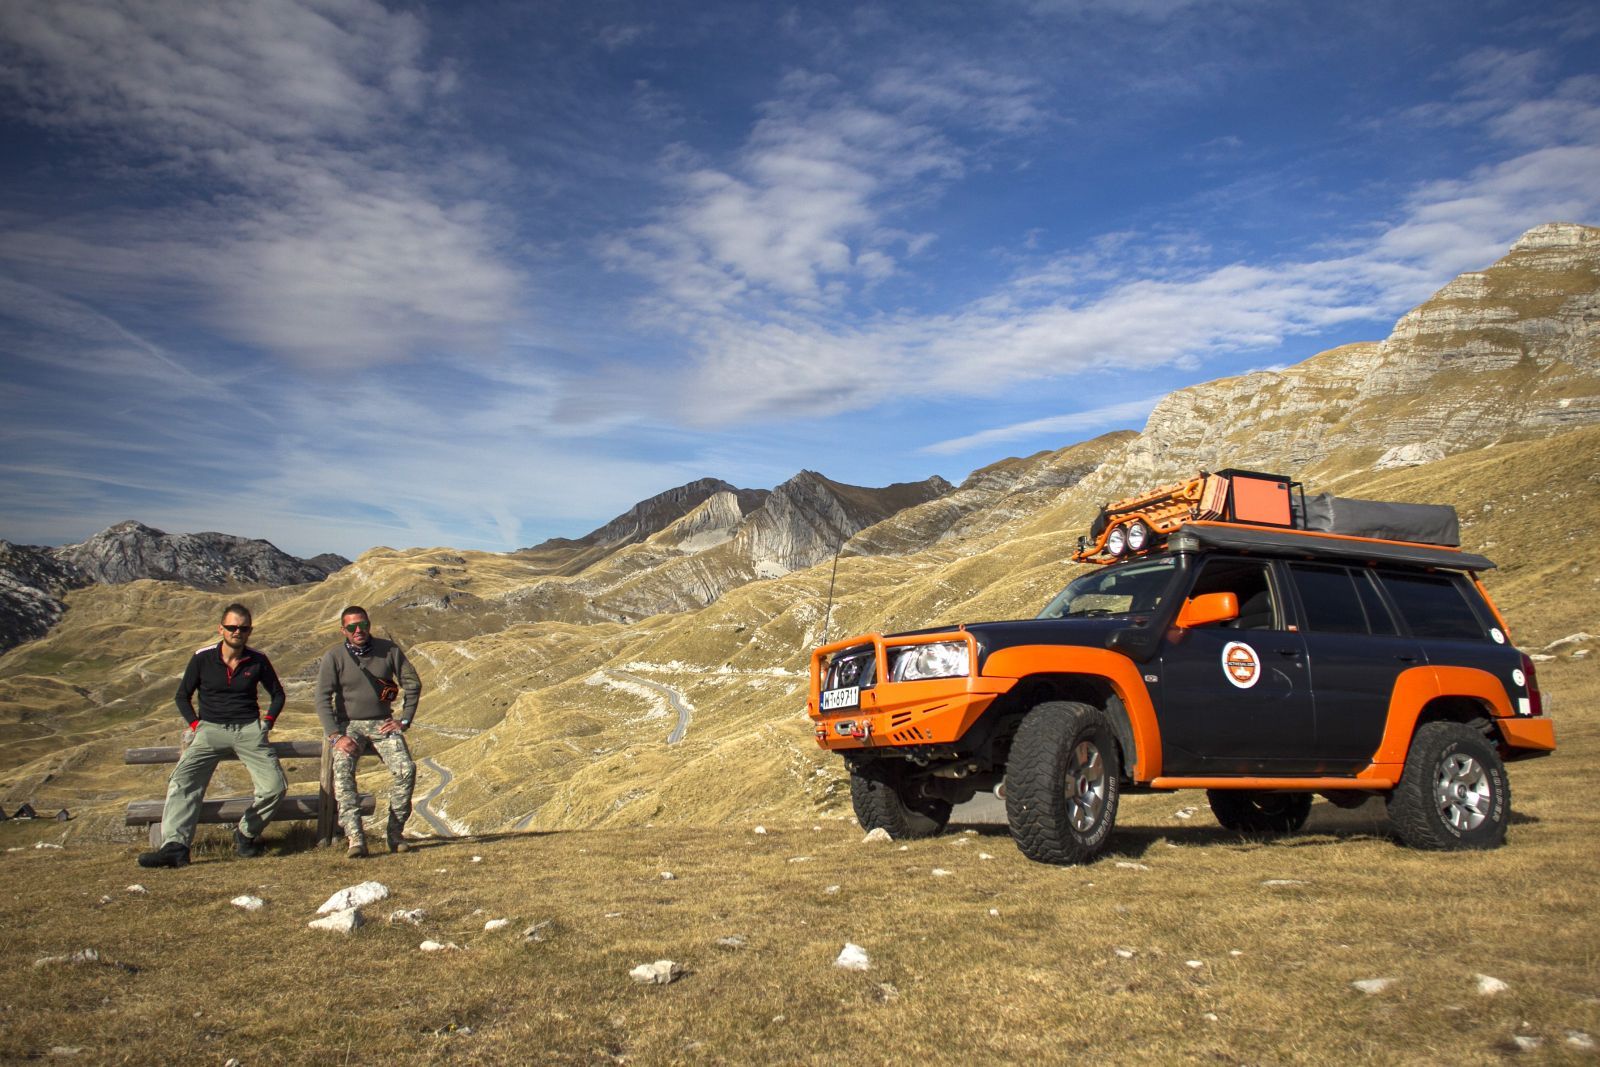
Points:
x=1124, y=589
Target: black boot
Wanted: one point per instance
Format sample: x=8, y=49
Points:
x=247, y=846
x=171, y=854
x=397, y=841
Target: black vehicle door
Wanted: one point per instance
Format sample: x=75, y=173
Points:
x=1235, y=698
x=1355, y=653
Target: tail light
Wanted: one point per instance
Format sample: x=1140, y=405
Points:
x=1535, y=701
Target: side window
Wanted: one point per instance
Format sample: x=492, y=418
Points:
x=1329, y=599
x=1246, y=579
x=1379, y=620
x=1433, y=605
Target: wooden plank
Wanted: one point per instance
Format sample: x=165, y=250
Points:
x=142, y=812
x=170, y=753
x=328, y=812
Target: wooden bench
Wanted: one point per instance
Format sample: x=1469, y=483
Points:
x=320, y=806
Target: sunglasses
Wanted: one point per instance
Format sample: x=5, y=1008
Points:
x=236, y=629
x=362, y=625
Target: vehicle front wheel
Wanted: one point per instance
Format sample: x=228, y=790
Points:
x=886, y=797
x=1063, y=783
x=1251, y=811
x=1453, y=793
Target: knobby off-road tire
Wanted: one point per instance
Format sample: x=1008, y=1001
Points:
x=886, y=797
x=1453, y=793
x=1063, y=783
x=1250, y=811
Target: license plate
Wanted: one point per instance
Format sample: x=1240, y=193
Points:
x=834, y=699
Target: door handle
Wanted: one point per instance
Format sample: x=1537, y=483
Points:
x=1406, y=658
x=1288, y=651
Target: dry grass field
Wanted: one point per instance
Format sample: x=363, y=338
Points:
x=1184, y=944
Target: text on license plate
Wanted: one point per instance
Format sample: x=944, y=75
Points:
x=841, y=698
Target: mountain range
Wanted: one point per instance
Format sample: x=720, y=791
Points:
x=547, y=669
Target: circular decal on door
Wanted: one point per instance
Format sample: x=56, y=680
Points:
x=1499, y=638
x=1518, y=677
x=1240, y=664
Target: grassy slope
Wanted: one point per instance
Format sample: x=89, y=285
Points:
x=950, y=981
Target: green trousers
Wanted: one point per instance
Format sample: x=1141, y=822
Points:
x=187, y=787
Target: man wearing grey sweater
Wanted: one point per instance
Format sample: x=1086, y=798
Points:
x=358, y=681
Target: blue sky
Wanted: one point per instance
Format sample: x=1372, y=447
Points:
x=341, y=273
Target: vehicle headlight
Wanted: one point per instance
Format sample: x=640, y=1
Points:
x=945, y=659
x=1138, y=535
x=1117, y=541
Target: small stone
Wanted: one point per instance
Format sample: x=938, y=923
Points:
x=905, y=848
x=247, y=902
x=1124, y=953
x=613, y=914
x=831, y=889
x=355, y=896
x=477, y=859
x=46, y=844
x=853, y=958
x=1210, y=1016
x=65, y=1050
x=439, y=946
x=940, y=872
x=876, y=834
x=1373, y=986
x=539, y=931
x=760, y=830
x=985, y=856
x=1579, y=1039
x=233, y=1061
x=137, y=889
x=799, y=859
x=1488, y=987
x=1526, y=1042
x=994, y=913
x=340, y=922
x=887, y=992
x=661, y=972
x=1129, y=865
x=495, y=924
x=731, y=941
x=1194, y=965
x=413, y=917
x=1185, y=813
x=961, y=841
x=668, y=876
x=1235, y=953
x=1282, y=882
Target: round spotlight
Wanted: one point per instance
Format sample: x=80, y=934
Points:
x=1138, y=536
x=1117, y=540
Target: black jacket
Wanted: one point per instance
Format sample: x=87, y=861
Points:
x=228, y=696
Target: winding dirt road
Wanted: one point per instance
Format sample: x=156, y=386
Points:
x=674, y=698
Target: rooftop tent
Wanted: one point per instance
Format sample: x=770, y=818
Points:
x=1431, y=524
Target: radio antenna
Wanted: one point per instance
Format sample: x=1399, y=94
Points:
x=827, y=616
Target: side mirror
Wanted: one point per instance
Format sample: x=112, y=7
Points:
x=1208, y=608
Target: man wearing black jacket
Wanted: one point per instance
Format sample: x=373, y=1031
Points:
x=226, y=675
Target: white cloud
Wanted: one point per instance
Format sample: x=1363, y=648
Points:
x=1112, y=415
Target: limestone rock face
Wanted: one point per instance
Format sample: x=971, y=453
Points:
x=130, y=551
x=1507, y=353
x=32, y=583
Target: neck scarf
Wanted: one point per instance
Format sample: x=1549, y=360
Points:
x=365, y=649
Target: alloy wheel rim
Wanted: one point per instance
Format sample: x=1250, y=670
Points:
x=1463, y=792
x=1086, y=786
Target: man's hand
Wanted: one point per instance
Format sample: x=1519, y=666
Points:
x=391, y=726
x=346, y=745
x=188, y=736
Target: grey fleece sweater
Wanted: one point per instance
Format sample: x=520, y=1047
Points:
x=347, y=691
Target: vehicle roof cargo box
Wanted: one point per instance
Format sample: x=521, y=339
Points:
x=1431, y=524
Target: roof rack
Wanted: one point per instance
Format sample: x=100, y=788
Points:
x=1258, y=505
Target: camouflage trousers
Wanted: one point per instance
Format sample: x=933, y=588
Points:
x=391, y=749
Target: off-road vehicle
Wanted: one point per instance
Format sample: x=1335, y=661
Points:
x=1241, y=638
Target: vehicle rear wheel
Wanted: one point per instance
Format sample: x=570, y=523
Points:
x=886, y=797
x=1063, y=783
x=1251, y=811
x=1453, y=793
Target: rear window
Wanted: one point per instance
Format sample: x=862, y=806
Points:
x=1432, y=605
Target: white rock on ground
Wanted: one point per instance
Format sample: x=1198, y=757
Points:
x=731, y=941
x=1488, y=986
x=247, y=902
x=439, y=946
x=877, y=834
x=1194, y=964
x=831, y=889
x=413, y=917
x=1129, y=865
x=1373, y=986
x=355, y=896
x=760, y=830
x=495, y=924
x=1525, y=1043
x=853, y=958
x=661, y=972
x=940, y=872
x=137, y=889
x=1282, y=882
x=539, y=931
x=985, y=856
x=1579, y=1039
x=667, y=876
x=1124, y=952
x=340, y=922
